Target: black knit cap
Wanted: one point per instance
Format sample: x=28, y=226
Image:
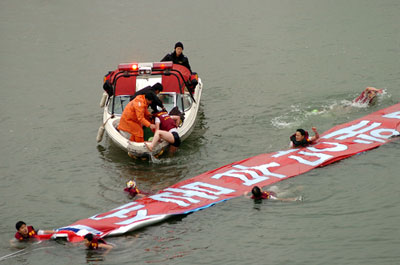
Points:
x=179, y=44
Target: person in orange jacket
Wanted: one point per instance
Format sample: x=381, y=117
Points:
x=135, y=116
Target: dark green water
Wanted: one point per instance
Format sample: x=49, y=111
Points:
x=264, y=64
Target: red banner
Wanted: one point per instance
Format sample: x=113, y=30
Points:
x=234, y=179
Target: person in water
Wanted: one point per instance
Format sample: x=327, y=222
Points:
x=94, y=242
x=155, y=89
x=133, y=190
x=258, y=194
x=24, y=232
x=301, y=138
x=166, y=129
x=135, y=116
x=368, y=96
x=177, y=56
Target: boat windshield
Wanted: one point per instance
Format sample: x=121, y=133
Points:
x=187, y=101
x=119, y=104
x=170, y=100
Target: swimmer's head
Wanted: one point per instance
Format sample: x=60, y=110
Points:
x=88, y=238
x=300, y=134
x=131, y=184
x=19, y=224
x=22, y=228
x=256, y=191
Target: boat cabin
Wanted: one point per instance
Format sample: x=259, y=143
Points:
x=132, y=77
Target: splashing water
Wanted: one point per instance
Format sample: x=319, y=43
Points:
x=154, y=160
x=298, y=114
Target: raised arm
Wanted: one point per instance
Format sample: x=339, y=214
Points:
x=316, y=134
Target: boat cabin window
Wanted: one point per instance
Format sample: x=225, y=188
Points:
x=187, y=101
x=119, y=104
x=171, y=100
x=168, y=99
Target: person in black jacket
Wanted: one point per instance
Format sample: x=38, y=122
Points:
x=154, y=90
x=177, y=56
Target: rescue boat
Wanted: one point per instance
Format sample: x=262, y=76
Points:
x=181, y=89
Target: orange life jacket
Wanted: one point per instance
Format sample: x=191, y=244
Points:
x=134, y=117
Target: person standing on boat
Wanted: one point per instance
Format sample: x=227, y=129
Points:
x=155, y=89
x=135, y=116
x=301, y=138
x=166, y=129
x=177, y=56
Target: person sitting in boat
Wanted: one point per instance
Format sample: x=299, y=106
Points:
x=156, y=89
x=94, y=242
x=24, y=232
x=301, y=138
x=258, y=194
x=177, y=56
x=368, y=96
x=135, y=116
x=166, y=129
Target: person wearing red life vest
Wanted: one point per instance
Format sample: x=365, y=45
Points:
x=302, y=139
x=258, y=194
x=135, y=116
x=94, y=243
x=166, y=129
x=133, y=190
x=24, y=232
x=368, y=96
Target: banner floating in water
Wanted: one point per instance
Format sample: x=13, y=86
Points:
x=233, y=180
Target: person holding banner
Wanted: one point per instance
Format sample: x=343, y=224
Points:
x=302, y=139
x=94, y=242
x=24, y=232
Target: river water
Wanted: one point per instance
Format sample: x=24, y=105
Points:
x=265, y=66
